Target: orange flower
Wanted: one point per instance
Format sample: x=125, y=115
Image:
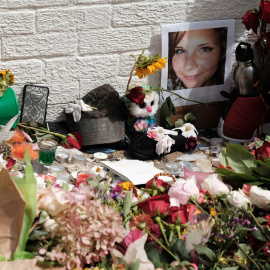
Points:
x=18, y=151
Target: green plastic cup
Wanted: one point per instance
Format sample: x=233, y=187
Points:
x=9, y=107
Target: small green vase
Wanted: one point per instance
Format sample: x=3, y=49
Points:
x=9, y=107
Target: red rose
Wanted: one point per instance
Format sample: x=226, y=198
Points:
x=175, y=212
x=186, y=213
x=264, y=11
x=159, y=183
x=158, y=202
x=264, y=150
x=136, y=95
x=10, y=163
x=73, y=140
x=251, y=20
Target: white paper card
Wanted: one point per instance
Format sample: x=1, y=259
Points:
x=139, y=172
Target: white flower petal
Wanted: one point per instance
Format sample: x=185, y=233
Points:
x=188, y=130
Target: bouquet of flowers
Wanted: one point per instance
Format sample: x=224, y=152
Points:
x=6, y=79
x=200, y=222
x=258, y=19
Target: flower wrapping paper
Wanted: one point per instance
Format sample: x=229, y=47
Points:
x=12, y=207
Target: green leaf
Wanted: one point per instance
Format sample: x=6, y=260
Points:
x=231, y=268
x=262, y=220
x=258, y=144
x=36, y=234
x=180, y=250
x=179, y=123
x=22, y=255
x=232, y=175
x=127, y=203
x=205, y=252
x=166, y=107
x=28, y=188
x=93, y=183
x=259, y=235
x=246, y=248
x=156, y=256
x=43, y=216
x=135, y=266
x=3, y=259
x=222, y=157
x=65, y=186
x=239, y=158
x=266, y=160
x=262, y=171
x=267, y=138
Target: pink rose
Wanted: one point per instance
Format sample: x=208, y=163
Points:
x=182, y=190
x=152, y=134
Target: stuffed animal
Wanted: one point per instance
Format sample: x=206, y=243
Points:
x=142, y=108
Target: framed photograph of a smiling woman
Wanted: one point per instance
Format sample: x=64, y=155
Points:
x=199, y=58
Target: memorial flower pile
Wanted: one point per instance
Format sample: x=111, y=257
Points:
x=207, y=221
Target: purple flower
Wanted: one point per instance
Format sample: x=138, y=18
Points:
x=191, y=144
x=114, y=196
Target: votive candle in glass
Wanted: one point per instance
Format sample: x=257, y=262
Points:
x=47, y=148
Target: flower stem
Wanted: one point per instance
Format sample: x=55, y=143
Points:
x=257, y=266
x=259, y=225
x=131, y=74
x=158, y=220
x=196, y=101
x=209, y=215
x=239, y=264
x=42, y=130
x=177, y=228
x=158, y=242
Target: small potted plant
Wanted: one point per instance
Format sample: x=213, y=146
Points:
x=9, y=106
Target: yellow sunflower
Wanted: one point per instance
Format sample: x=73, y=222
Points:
x=141, y=72
x=4, y=73
x=149, y=65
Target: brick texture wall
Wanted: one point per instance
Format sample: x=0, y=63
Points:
x=73, y=46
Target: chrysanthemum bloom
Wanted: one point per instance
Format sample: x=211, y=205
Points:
x=87, y=232
x=127, y=185
x=139, y=219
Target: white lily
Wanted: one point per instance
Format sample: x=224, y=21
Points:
x=188, y=130
x=164, y=144
x=162, y=131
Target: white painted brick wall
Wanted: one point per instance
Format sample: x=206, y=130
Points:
x=74, y=46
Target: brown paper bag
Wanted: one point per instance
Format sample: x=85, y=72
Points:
x=11, y=212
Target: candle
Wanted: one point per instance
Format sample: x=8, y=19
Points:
x=47, y=150
x=100, y=155
x=78, y=159
x=62, y=157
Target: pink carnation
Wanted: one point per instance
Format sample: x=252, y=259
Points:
x=152, y=134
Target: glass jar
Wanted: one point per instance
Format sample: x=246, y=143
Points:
x=82, y=177
x=47, y=148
